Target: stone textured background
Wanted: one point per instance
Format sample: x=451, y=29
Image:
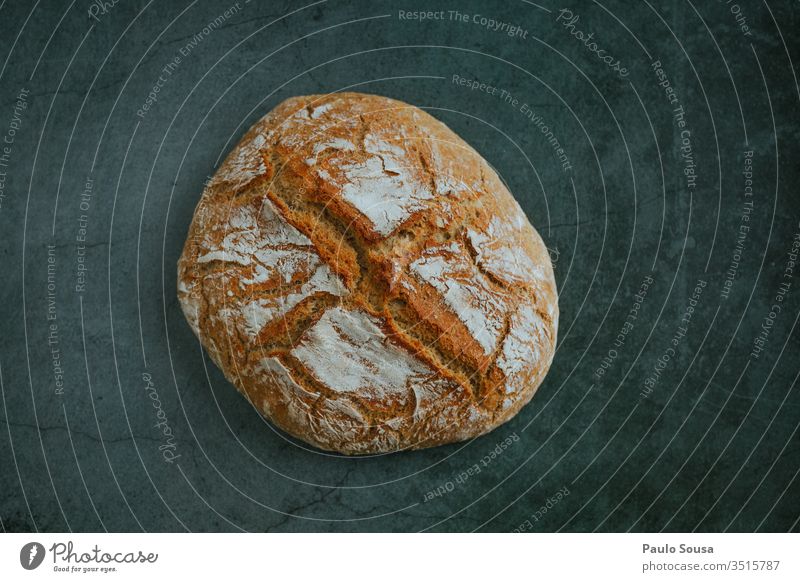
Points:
x=713, y=447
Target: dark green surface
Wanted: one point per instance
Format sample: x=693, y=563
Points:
x=714, y=447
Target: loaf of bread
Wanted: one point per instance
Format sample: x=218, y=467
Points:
x=366, y=280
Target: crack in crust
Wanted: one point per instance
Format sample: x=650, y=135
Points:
x=303, y=152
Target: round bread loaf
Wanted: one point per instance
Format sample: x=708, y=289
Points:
x=365, y=279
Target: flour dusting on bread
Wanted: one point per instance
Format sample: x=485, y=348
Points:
x=465, y=290
x=348, y=352
x=365, y=278
x=384, y=186
x=497, y=251
x=278, y=256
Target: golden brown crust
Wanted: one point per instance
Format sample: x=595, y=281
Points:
x=365, y=279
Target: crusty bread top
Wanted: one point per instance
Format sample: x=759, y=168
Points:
x=366, y=279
